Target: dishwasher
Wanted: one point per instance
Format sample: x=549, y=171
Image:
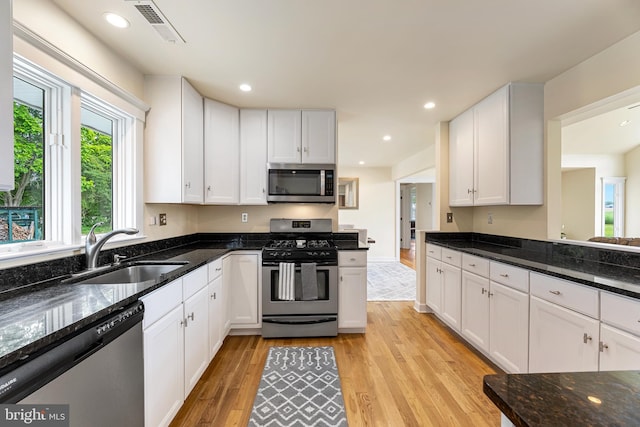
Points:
x=99, y=373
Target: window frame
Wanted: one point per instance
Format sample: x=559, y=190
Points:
x=62, y=166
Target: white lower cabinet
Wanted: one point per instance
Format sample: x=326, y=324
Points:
x=242, y=280
x=561, y=340
x=352, y=291
x=163, y=368
x=475, y=310
x=619, y=350
x=217, y=310
x=175, y=344
x=509, y=328
x=434, y=285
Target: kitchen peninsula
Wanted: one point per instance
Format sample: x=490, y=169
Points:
x=570, y=349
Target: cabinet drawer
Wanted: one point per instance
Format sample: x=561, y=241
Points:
x=215, y=269
x=567, y=294
x=508, y=275
x=452, y=257
x=620, y=311
x=193, y=282
x=352, y=258
x=475, y=264
x=434, y=251
x=161, y=301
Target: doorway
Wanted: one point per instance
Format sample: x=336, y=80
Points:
x=415, y=213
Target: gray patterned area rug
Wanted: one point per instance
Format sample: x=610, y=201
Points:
x=299, y=387
x=390, y=281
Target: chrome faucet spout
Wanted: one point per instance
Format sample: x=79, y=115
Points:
x=93, y=245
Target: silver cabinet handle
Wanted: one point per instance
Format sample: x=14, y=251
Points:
x=209, y=188
x=555, y=292
x=504, y=275
x=449, y=257
x=472, y=265
x=352, y=259
x=213, y=296
x=586, y=338
x=489, y=294
x=183, y=322
x=603, y=347
x=298, y=149
x=484, y=290
x=190, y=316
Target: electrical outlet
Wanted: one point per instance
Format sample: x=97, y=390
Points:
x=163, y=218
x=245, y=217
x=490, y=218
x=449, y=216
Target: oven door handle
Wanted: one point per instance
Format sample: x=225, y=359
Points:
x=301, y=322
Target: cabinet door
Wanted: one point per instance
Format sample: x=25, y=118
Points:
x=352, y=297
x=619, y=350
x=192, y=142
x=164, y=369
x=461, y=144
x=215, y=316
x=451, y=295
x=491, y=169
x=509, y=341
x=196, y=338
x=253, y=157
x=475, y=310
x=241, y=271
x=434, y=285
x=561, y=340
x=284, y=132
x=318, y=137
x=6, y=97
x=221, y=153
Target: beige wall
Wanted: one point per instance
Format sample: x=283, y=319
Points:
x=219, y=219
x=424, y=207
x=376, y=212
x=632, y=196
x=578, y=203
x=605, y=75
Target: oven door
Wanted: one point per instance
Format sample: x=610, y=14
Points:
x=326, y=303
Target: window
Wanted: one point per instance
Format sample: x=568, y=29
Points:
x=76, y=164
x=22, y=210
x=613, y=207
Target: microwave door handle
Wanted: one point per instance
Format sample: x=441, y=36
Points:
x=322, y=189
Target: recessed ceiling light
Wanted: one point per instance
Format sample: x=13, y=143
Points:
x=429, y=105
x=626, y=122
x=387, y=137
x=116, y=20
x=245, y=87
x=361, y=162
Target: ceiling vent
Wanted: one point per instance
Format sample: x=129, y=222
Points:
x=158, y=21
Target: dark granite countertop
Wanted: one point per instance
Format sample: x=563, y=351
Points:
x=567, y=399
x=616, y=271
x=43, y=304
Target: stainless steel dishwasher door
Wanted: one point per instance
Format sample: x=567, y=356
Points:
x=106, y=389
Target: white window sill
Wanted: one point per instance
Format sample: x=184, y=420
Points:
x=38, y=249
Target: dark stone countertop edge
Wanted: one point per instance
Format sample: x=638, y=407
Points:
x=612, y=283
x=602, y=398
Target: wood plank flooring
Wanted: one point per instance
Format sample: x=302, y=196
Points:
x=407, y=370
x=408, y=256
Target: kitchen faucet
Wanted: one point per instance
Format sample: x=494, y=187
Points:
x=93, y=245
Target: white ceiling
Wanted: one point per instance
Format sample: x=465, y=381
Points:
x=375, y=61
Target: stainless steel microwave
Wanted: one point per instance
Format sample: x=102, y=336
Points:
x=301, y=183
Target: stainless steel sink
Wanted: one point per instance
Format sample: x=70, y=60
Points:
x=134, y=274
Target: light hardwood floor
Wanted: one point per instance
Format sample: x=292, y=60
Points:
x=407, y=370
x=408, y=256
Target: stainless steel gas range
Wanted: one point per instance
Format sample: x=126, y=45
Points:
x=300, y=279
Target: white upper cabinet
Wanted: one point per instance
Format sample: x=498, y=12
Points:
x=221, y=153
x=6, y=97
x=173, y=141
x=253, y=157
x=318, y=136
x=496, y=149
x=301, y=136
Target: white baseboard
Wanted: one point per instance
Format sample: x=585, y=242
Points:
x=421, y=308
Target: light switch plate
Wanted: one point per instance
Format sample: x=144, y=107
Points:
x=449, y=216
